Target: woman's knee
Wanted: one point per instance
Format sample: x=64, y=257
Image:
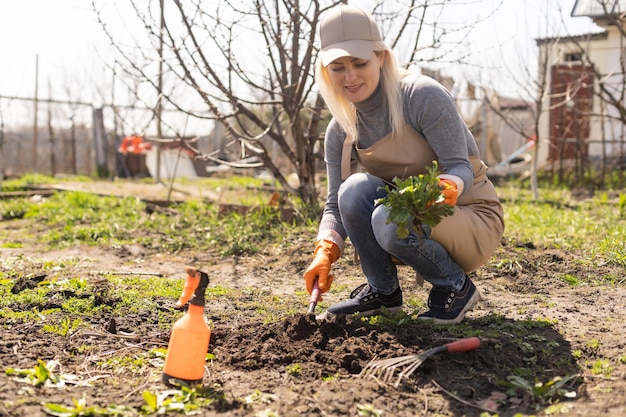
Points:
x=384, y=231
x=358, y=189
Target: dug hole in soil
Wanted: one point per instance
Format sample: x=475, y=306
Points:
x=530, y=322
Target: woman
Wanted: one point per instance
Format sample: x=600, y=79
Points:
x=394, y=124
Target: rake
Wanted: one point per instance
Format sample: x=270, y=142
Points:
x=400, y=367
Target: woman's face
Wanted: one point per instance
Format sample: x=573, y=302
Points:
x=355, y=78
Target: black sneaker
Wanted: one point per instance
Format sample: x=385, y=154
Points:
x=450, y=307
x=364, y=302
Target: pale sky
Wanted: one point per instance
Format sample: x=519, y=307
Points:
x=74, y=54
x=65, y=35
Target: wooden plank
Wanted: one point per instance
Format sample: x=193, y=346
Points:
x=27, y=193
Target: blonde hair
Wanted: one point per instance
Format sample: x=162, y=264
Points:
x=345, y=112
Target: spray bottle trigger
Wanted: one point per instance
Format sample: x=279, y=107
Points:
x=198, y=296
x=193, y=280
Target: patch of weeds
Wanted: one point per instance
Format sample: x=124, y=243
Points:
x=540, y=393
x=76, y=285
x=554, y=221
x=134, y=294
x=593, y=344
x=415, y=303
x=603, y=389
x=387, y=319
x=81, y=409
x=42, y=374
x=613, y=248
x=495, y=324
x=120, y=364
x=38, y=375
x=330, y=378
x=542, y=301
x=216, y=292
x=30, y=316
x=294, y=369
x=150, y=286
x=80, y=305
x=236, y=239
x=165, y=320
x=525, y=347
x=28, y=299
x=602, y=367
x=85, y=217
x=14, y=209
x=558, y=409
x=550, y=346
x=523, y=372
x=235, y=234
x=339, y=289
x=612, y=279
x=259, y=397
x=265, y=304
x=268, y=316
x=548, y=321
x=508, y=264
x=571, y=280
x=82, y=349
x=12, y=245
x=65, y=328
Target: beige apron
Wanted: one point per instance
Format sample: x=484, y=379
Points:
x=472, y=233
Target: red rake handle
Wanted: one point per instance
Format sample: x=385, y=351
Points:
x=463, y=345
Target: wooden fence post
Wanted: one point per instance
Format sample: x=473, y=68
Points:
x=100, y=143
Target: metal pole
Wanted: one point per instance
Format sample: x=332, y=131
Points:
x=34, y=167
x=159, y=108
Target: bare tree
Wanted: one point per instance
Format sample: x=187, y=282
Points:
x=249, y=65
x=531, y=83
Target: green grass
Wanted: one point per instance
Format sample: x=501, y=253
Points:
x=594, y=227
x=82, y=218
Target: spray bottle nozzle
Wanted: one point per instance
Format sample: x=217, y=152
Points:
x=197, y=282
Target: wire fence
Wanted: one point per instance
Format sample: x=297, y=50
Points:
x=47, y=137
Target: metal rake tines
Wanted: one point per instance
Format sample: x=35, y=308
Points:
x=387, y=369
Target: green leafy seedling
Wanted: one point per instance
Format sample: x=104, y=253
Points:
x=81, y=409
x=415, y=201
x=545, y=393
x=294, y=369
x=39, y=375
x=186, y=400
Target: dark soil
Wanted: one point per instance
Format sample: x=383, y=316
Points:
x=531, y=323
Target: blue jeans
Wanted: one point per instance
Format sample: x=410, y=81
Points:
x=376, y=241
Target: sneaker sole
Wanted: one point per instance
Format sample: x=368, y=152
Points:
x=328, y=315
x=470, y=305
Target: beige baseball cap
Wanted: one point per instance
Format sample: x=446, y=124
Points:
x=347, y=31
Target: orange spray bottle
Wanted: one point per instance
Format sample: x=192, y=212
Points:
x=189, y=340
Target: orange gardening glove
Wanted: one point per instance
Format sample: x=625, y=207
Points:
x=326, y=252
x=449, y=191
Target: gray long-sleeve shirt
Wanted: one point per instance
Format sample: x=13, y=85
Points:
x=428, y=109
